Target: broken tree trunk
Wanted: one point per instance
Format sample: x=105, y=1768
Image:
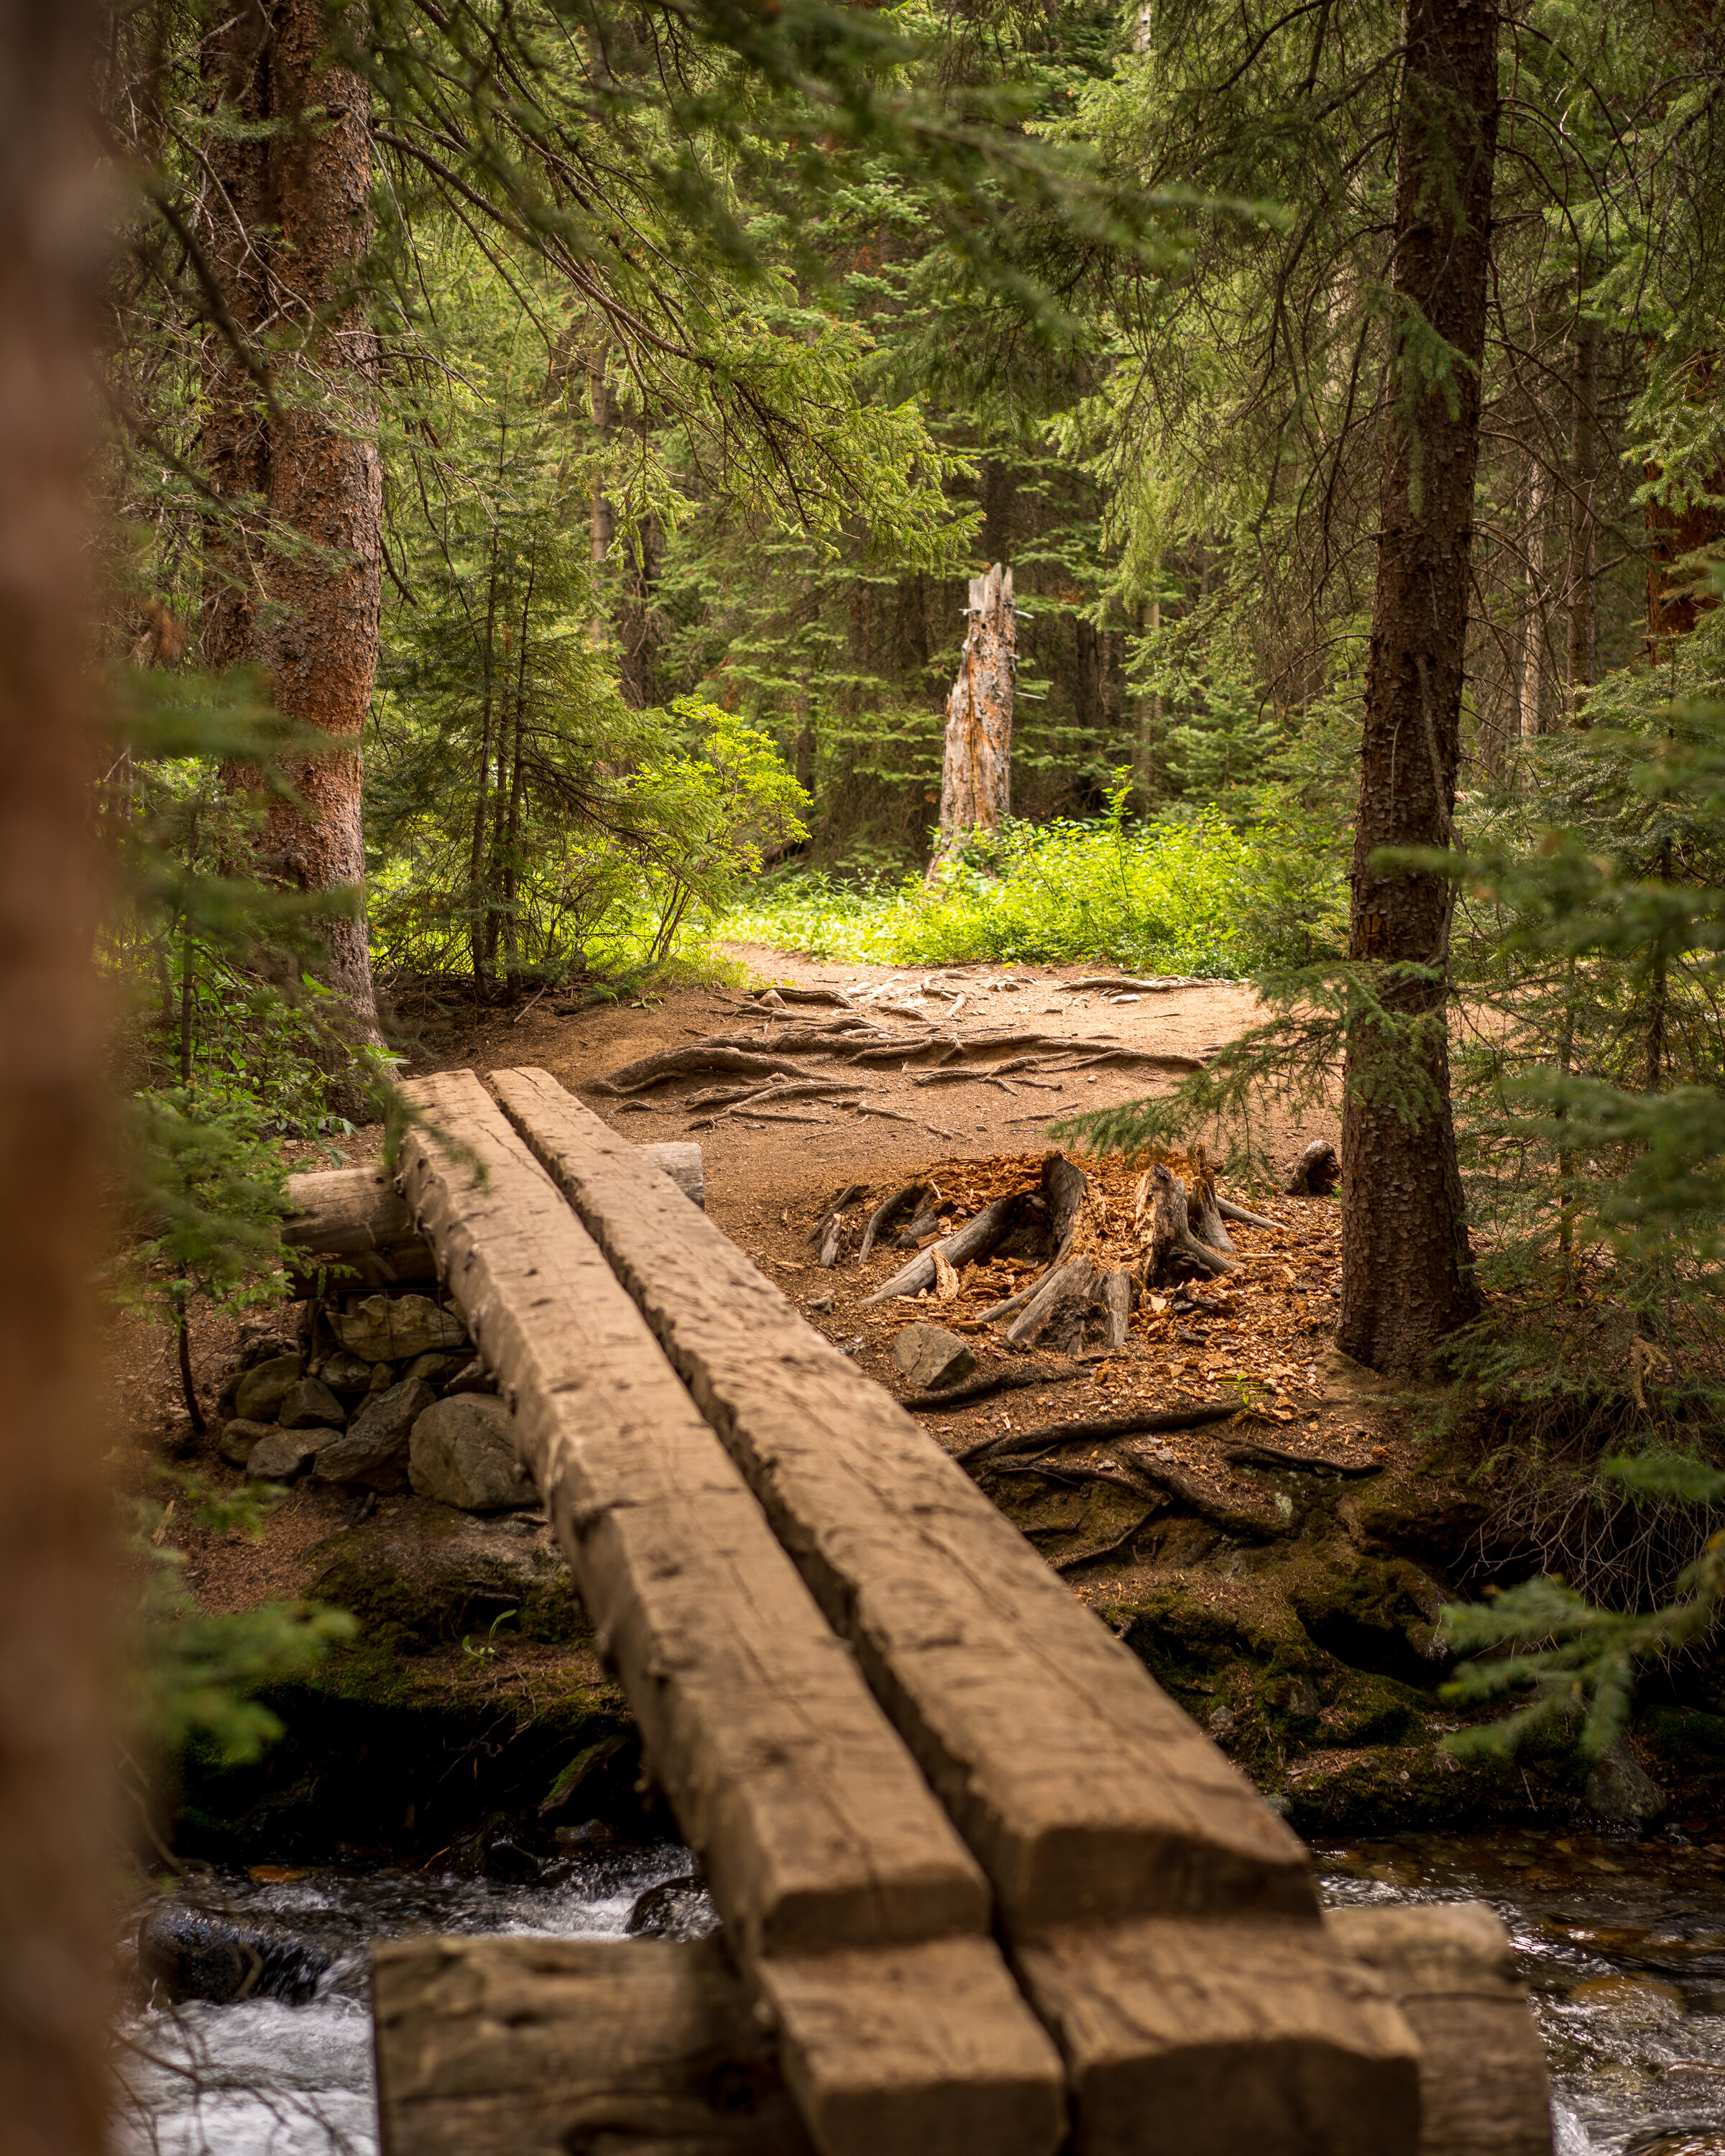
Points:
x=1203, y=1215
x=1167, y=1238
x=1058, y=1306
x=976, y=779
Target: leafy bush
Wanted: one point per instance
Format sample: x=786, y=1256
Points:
x=1179, y=894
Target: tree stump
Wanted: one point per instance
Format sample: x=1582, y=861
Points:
x=976, y=777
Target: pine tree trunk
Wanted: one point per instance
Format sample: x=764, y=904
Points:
x=1584, y=486
x=57, y=1823
x=1533, y=653
x=1407, y=1271
x=307, y=613
x=976, y=779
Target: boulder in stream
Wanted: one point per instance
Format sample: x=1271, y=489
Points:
x=676, y=1909
x=192, y=1954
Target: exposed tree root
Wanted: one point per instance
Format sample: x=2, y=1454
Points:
x=1019, y=1444
x=980, y=1388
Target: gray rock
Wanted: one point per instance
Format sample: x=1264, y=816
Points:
x=239, y=1437
x=679, y=1158
x=473, y=1377
x=262, y=1390
x=1620, y=1788
x=929, y=1356
x=385, y=1330
x=343, y=1373
x=463, y=1453
x=310, y=1405
x=375, y=1443
x=279, y=1455
x=383, y=1376
x=436, y=1369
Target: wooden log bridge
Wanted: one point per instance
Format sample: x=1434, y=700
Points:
x=986, y=1890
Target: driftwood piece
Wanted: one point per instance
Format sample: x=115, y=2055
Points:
x=1058, y=1304
x=1316, y=1172
x=1075, y=1779
x=537, y=2046
x=1154, y=1421
x=974, y=1241
x=1451, y=1968
x=889, y=1212
x=852, y=1904
x=1229, y=1211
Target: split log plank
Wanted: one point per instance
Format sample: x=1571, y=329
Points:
x=1221, y=2038
x=817, y=1833
x=1451, y=1968
x=1080, y=1786
x=537, y=2046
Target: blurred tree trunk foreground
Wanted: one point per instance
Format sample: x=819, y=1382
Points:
x=56, y=1851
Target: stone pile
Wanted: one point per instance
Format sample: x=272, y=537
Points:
x=392, y=1397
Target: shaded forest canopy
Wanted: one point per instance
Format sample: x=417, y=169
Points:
x=548, y=450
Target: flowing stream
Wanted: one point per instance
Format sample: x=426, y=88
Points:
x=1622, y=1945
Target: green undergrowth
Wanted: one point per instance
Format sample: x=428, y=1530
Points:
x=1186, y=895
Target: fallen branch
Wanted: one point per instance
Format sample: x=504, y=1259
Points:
x=1123, y=985
x=975, y=1239
x=1229, y=1211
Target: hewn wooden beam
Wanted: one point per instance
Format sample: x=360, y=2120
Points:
x=818, y=1835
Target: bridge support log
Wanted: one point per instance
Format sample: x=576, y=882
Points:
x=821, y=1840
x=532, y=2046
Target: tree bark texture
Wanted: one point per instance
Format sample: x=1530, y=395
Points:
x=56, y=1851
x=1407, y=1271
x=975, y=778
x=295, y=566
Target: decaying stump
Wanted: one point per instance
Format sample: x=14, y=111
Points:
x=976, y=777
x=976, y=1240
x=1057, y=1309
x=887, y=1214
x=1204, y=1216
x=1161, y=1211
x=1316, y=1172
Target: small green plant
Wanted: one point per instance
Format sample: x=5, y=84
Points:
x=486, y=1650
